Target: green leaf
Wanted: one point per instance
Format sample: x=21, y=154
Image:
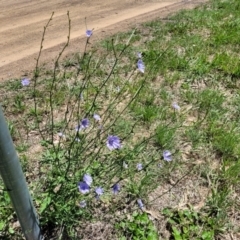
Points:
x=152, y=236
x=143, y=218
x=45, y=204
x=11, y=230
x=207, y=235
x=2, y=225
x=176, y=234
x=122, y=238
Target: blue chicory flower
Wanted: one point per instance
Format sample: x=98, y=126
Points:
x=83, y=124
x=83, y=187
x=99, y=191
x=116, y=188
x=87, y=179
x=139, y=166
x=176, y=106
x=61, y=135
x=25, y=82
x=89, y=33
x=96, y=117
x=140, y=203
x=113, y=142
x=141, y=66
x=167, y=156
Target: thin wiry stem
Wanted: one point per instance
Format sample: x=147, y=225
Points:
x=56, y=65
x=36, y=75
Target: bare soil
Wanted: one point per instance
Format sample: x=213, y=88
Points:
x=22, y=23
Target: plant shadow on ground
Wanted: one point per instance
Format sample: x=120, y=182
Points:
x=139, y=132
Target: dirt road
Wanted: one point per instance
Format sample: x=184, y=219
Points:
x=22, y=22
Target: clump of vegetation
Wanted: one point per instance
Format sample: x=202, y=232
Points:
x=138, y=136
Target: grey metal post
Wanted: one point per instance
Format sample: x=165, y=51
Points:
x=15, y=183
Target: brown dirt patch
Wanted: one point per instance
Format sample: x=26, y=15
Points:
x=22, y=22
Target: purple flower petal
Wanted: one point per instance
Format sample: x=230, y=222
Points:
x=176, y=106
x=87, y=179
x=83, y=124
x=113, y=142
x=89, y=33
x=99, y=191
x=83, y=187
x=96, y=117
x=141, y=66
x=139, y=166
x=116, y=188
x=167, y=156
x=25, y=82
x=61, y=135
x=140, y=203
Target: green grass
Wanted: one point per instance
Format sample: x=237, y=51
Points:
x=191, y=60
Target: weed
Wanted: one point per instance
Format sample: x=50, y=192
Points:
x=125, y=120
x=138, y=227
